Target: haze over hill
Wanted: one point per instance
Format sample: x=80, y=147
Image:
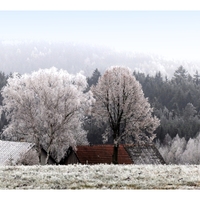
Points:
x=86, y=40
x=27, y=56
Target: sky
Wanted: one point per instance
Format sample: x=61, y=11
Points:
x=173, y=33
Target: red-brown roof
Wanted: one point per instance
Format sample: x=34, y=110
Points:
x=101, y=154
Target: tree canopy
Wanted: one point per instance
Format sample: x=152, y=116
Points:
x=47, y=107
x=120, y=102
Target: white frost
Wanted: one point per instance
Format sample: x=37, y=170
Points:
x=101, y=177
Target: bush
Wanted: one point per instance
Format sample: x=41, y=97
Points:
x=29, y=158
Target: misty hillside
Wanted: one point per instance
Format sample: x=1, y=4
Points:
x=27, y=56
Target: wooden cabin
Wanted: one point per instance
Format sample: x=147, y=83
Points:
x=89, y=154
x=102, y=154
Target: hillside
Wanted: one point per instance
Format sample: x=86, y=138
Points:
x=28, y=56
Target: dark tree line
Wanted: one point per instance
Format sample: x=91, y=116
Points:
x=176, y=102
x=3, y=80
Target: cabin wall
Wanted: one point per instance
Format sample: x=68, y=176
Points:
x=43, y=158
x=72, y=159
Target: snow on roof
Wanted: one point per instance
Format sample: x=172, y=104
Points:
x=144, y=154
x=12, y=151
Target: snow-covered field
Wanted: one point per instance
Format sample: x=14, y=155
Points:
x=100, y=177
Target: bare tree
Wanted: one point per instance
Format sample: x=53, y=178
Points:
x=46, y=107
x=120, y=102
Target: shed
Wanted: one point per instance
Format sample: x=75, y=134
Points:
x=10, y=152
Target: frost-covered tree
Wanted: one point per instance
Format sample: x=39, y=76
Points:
x=120, y=102
x=173, y=149
x=179, y=151
x=180, y=75
x=46, y=107
x=191, y=154
x=189, y=111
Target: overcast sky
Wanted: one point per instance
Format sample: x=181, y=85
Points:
x=174, y=34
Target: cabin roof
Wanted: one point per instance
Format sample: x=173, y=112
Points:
x=90, y=154
x=12, y=151
x=144, y=154
x=127, y=154
x=97, y=154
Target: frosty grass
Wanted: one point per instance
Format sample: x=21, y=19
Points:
x=100, y=177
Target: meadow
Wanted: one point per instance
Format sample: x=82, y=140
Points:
x=101, y=177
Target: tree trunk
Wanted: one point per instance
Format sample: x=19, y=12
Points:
x=49, y=147
x=47, y=158
x=48, y=152
x=40, y=155
x=115, y=152
x=38, y=148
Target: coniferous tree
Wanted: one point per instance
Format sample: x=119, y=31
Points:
x=196, y=78
x=93, y=79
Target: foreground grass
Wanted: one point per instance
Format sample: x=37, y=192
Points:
x=100, y=177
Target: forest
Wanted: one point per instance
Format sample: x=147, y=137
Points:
x=176, y=103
